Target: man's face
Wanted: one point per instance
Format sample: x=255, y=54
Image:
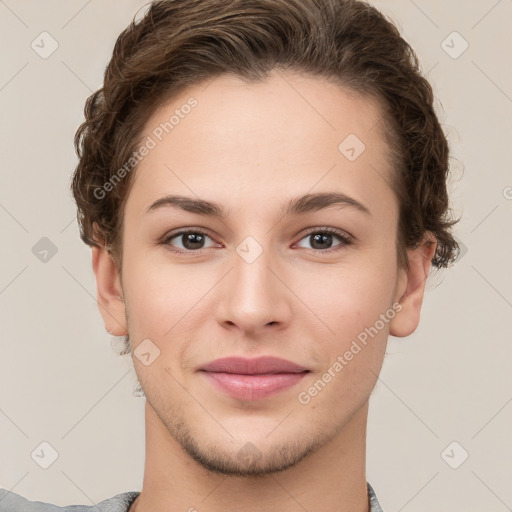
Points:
x=260, y=281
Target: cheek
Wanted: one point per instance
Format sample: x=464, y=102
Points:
x=355, y=303
x=158, y=295
x=356, y=308
x=350, y=298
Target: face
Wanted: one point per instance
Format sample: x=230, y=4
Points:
x=294, y=256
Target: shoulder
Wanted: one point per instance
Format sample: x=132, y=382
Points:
x=374, y=502
x=12, y=502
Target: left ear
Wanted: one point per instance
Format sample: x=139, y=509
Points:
x=412, y=287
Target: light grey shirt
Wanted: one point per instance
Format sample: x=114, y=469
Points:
x=12, y=502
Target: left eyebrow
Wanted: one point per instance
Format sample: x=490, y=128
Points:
x=296, y=206
x=319, y=201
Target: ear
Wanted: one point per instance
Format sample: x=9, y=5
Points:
x=110, y=292
x=411, y=287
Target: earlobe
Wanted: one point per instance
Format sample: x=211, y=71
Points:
x=412, y=287
x=109, y=292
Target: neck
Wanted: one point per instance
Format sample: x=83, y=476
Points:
x=331, y=479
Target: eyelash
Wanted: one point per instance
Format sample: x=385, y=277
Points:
x=344, y=238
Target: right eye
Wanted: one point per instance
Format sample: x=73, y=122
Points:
x=188, y=241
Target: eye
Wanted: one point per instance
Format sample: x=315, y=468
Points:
x=322, y=239
x=191, y=240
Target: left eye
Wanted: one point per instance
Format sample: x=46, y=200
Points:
x=323, y=239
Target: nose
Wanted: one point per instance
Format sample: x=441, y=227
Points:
x=253, y=297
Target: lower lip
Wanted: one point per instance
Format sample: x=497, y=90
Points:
x=253, y=387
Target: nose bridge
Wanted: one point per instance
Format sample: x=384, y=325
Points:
x=252, y=296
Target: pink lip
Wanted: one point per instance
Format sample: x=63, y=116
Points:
x=253, y=379
x=263, y=364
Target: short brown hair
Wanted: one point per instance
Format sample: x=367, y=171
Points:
x=179, y=43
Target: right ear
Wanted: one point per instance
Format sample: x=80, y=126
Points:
x=109, y=291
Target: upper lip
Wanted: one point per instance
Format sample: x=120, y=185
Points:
x=259, y=365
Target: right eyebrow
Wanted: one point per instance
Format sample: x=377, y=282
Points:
x=189, y=204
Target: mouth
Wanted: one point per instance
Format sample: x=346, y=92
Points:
x=253, y=379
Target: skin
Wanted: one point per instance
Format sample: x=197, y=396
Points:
x=251, y=148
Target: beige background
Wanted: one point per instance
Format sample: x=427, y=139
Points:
x=60, y=380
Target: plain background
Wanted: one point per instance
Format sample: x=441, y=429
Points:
x=62, y=382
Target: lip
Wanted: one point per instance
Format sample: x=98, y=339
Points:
x=259, y=365
x=253, y=379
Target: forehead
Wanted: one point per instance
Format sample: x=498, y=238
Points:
x=288, y=134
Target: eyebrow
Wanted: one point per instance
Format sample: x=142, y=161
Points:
x=296, y=206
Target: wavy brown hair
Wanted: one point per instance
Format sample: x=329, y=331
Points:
x=177, y=43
